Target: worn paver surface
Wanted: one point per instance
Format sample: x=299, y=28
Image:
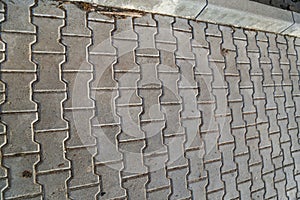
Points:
x=150, y=107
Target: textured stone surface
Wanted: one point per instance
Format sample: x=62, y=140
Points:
x=156, y=107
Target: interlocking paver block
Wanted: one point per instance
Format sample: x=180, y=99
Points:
x=76, y=48
x=18, y=10
x=78, y=81
x=49, y=72
x=164, y=29
x=48, y=35
x=17, y=52
x=22, y=180
x=82, y=173
x=110, y=180
x=231, y=186
x=179, y=190
x=146, y=39
x=78, y=123
x=54, y=184
x=76, y=23
x=52, y=158
x=20, y=99
x=50, y=116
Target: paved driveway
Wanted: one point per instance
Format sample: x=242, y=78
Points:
x=144, y=107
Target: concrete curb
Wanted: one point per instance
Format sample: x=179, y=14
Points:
x=245, y=13
x=295, y=28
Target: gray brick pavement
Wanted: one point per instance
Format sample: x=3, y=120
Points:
x=151, y=107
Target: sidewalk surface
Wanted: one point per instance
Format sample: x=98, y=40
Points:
x=98, y=106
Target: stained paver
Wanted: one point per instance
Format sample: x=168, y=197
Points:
x=96, y=106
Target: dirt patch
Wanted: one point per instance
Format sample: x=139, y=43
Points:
x=27, y=174
x=112, y=12
x=224, y=51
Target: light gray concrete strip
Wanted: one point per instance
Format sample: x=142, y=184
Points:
x=247, y=14
x=294, y=30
